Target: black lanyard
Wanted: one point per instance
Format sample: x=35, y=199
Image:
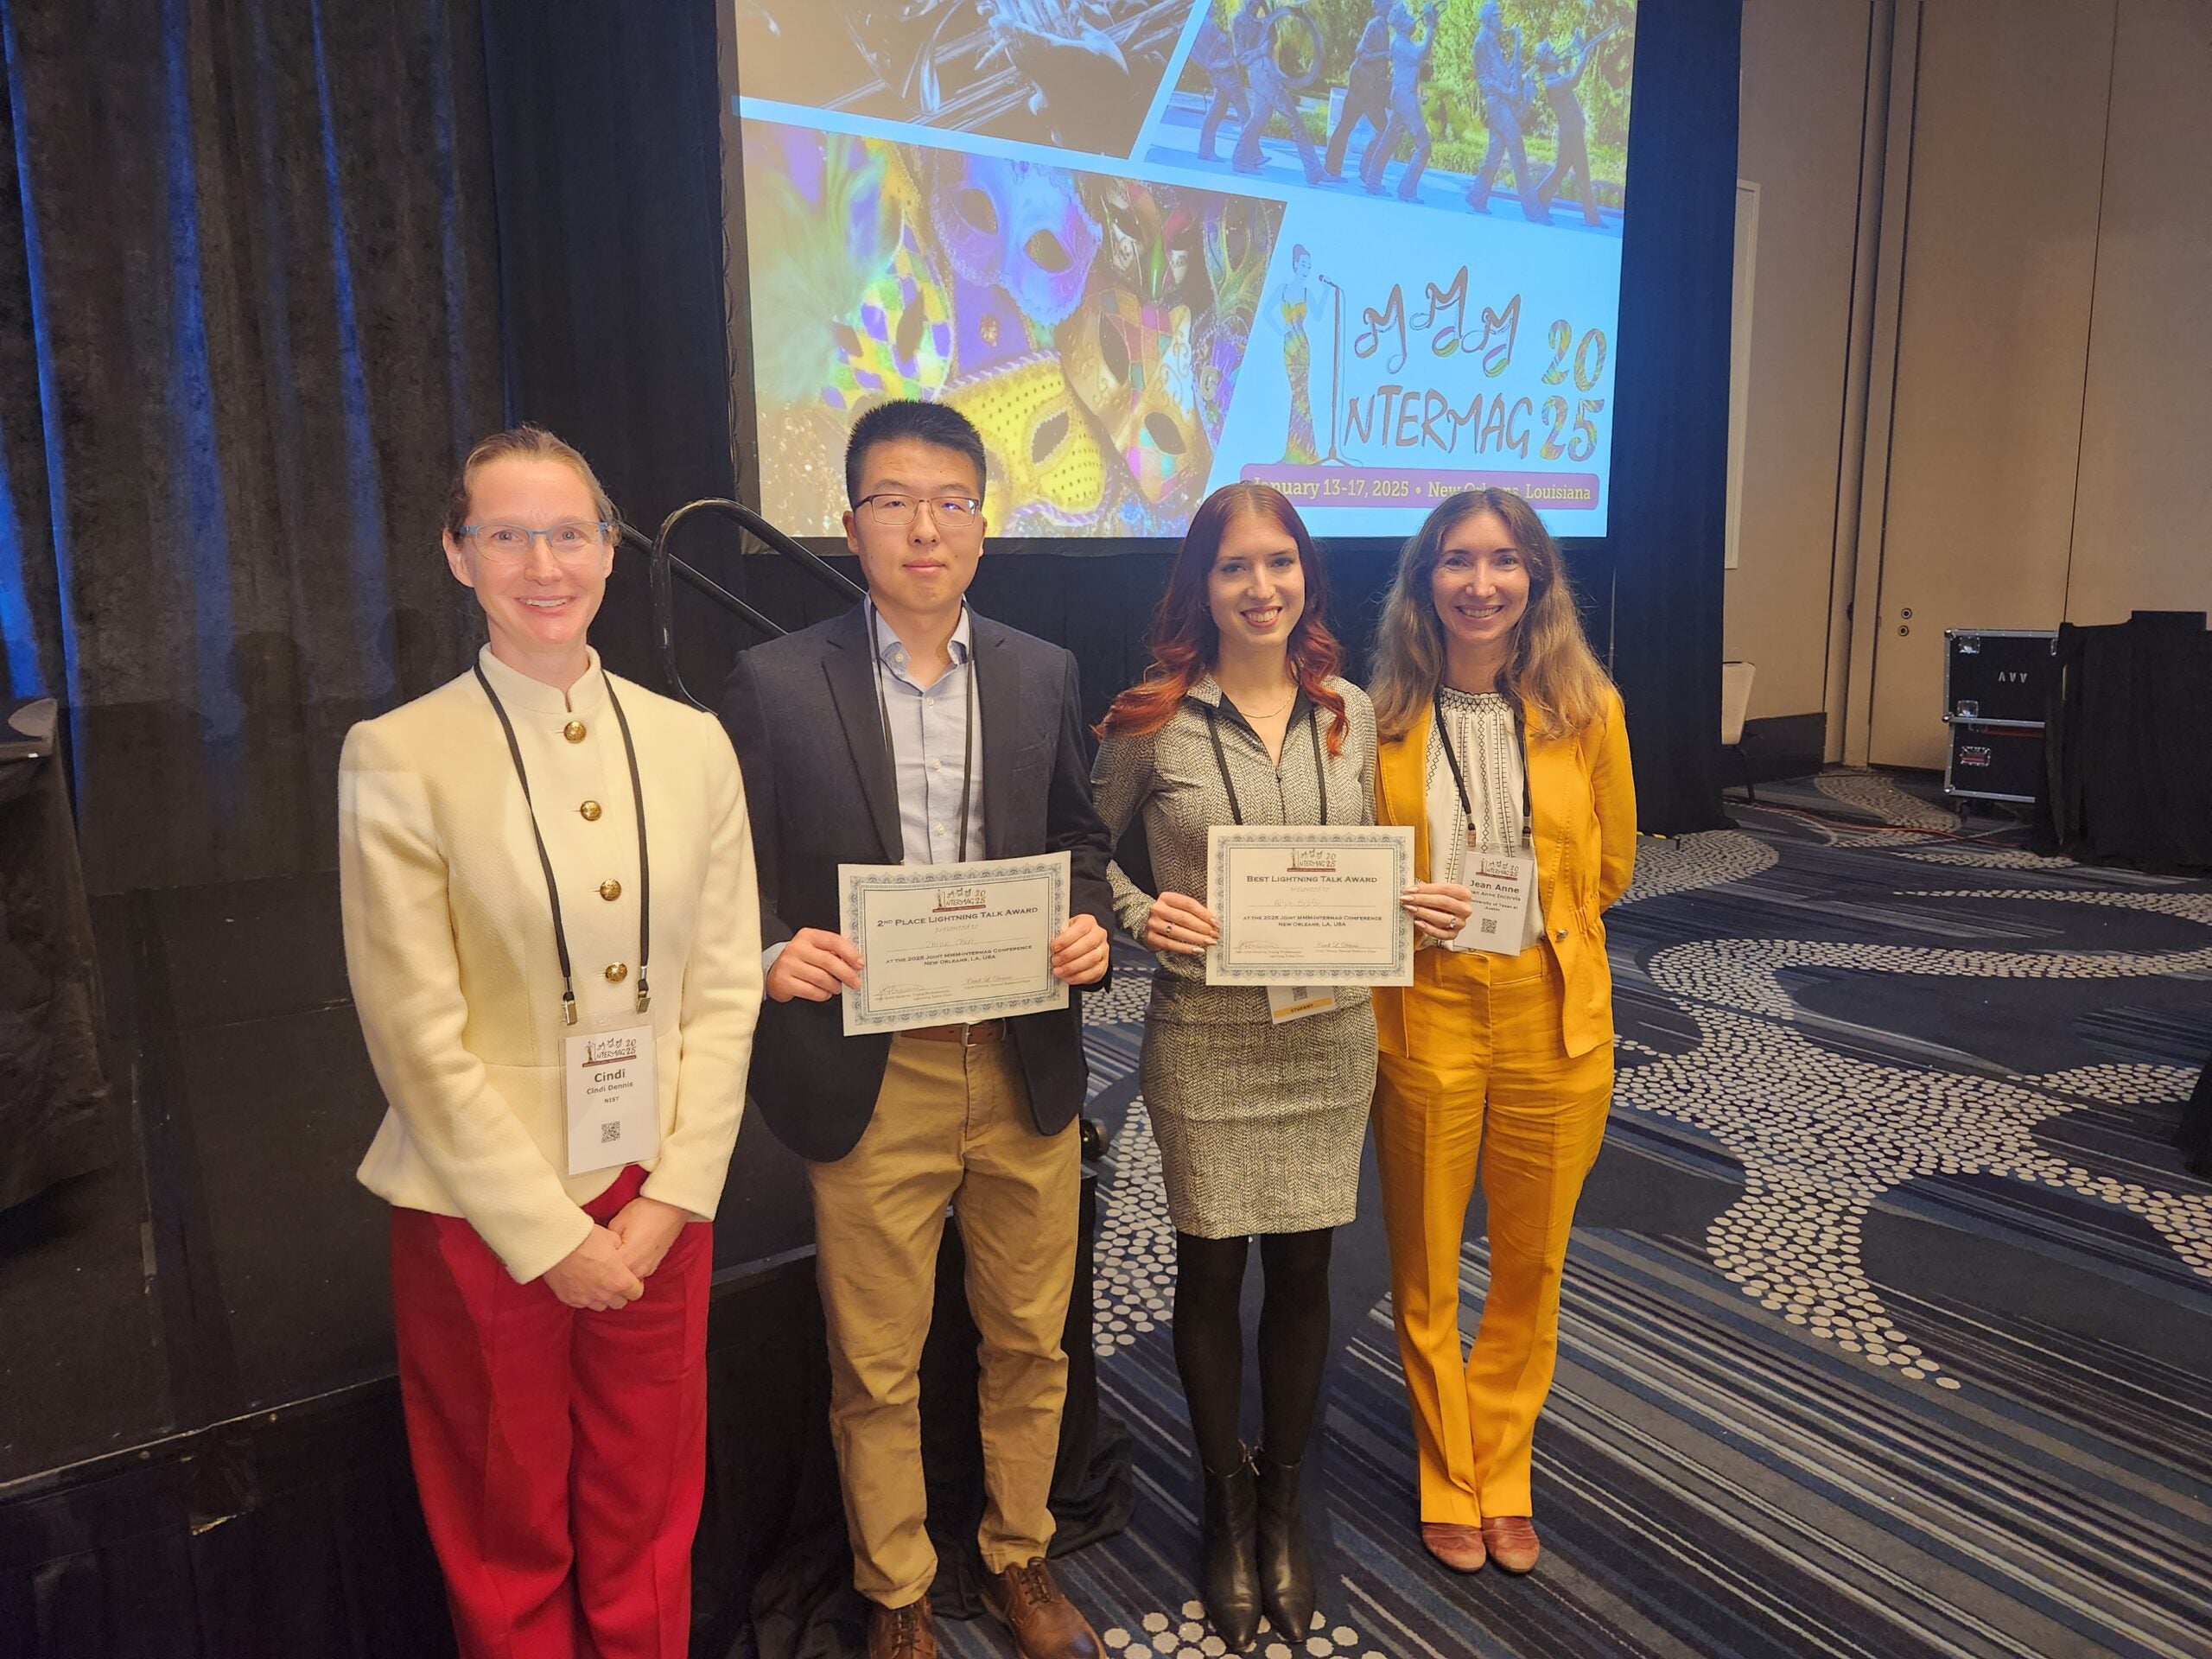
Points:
x=891, y=751
x=545, y=863
x=1459, y=778
x=1221, y=759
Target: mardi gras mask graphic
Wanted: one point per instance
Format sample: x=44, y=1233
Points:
x=1042, y=453
x=1131, y=363
x=830, y=208
x=990, y=330
x=899, y=343
x=1130, y=351
x=1014, y=224
x=1152, y=243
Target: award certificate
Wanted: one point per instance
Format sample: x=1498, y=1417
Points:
x=951, y=942
x=1310, y=906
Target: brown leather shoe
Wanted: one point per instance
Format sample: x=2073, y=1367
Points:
x=1512, y=1541
x=905, y=1632
x=1459, y=1547
x=1045, y=1623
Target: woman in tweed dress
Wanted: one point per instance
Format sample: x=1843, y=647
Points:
x=1242, y=720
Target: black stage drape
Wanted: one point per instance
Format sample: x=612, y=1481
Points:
x=248, y=315
x=2130, y=770
x=606, y=157
x=1667, y=532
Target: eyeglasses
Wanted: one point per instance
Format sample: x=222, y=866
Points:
x=577, y=538
x=897, y=512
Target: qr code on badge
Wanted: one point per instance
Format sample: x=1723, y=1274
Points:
x=1490, y=924
x=609, y=1133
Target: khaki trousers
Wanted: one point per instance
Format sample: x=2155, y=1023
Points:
x=1485, y=1080
x=952, y=1126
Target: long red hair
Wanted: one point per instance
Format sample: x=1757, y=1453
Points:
x=1186, y=641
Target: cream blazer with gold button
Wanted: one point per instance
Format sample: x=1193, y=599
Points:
x=450, y=944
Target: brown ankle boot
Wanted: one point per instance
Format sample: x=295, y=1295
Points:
x=1512, y=1540
x=1457, y=1546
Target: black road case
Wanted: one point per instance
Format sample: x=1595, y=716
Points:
x=1999, y=676
x=2003, y=762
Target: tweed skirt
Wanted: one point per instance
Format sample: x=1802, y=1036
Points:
x=1259, y=1125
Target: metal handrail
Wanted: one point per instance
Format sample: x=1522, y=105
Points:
x=761, y=531
x=705, y=583
x=666, y=567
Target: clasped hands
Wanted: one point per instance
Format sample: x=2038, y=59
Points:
x=817, y=964
x=1179, y=926
x=609, y=1269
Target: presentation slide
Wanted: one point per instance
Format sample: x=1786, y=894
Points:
x=1364, y=251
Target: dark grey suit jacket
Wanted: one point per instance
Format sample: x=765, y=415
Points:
x=803, y=713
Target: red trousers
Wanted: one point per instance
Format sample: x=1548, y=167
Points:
x=560, y=1455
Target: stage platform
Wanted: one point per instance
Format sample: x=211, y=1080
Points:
x=201, y=1454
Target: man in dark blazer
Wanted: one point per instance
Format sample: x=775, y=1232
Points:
x=986, y=760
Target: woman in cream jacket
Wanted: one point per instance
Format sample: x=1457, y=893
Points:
x=556, y=1142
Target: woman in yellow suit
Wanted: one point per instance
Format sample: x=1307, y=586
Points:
x=1502, y=745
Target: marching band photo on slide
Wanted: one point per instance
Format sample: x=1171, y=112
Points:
x=1517, y=108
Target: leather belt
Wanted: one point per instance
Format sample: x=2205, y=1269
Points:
x=967, y=1036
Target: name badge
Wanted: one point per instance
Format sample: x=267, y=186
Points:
x=614, y=1108
x=1505, y=887
x=1289, y=1002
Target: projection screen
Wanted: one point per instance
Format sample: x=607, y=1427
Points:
x=1366, y=253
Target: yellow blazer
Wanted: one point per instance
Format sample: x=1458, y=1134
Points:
x=1583, y=798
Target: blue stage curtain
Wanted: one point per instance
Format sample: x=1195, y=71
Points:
x=249, y=319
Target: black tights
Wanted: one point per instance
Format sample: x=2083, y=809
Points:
x=1293, y=1339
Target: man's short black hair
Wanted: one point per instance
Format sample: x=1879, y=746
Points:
x=933, y=423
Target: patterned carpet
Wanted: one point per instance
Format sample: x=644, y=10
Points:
x=1888, y=1322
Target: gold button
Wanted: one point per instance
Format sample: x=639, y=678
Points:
x=1561, y=934
x=574, y=731
x=617, y=972
x=590, y=809
x=610, y=890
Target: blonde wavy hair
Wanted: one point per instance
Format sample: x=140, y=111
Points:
x=1552, y=672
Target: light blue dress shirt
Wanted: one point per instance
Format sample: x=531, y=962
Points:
x=929, y=735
